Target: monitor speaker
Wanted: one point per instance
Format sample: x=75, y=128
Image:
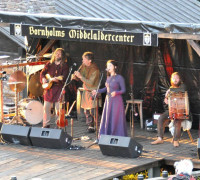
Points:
x=119, y=146
x=16, y=134
x=50, y=138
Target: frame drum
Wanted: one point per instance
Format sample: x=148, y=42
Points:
x=31, y=110
x=178, y=105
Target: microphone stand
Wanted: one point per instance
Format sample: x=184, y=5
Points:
x=97, y=113
x=61, y=93
x=132, y=113
x=70, y=71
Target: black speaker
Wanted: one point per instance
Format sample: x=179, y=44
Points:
x=198, y=147
x=119, y=146
x=16, y=134
x=50, y=138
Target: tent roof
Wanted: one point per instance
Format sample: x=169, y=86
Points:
x=168, y=11
x=17, y=39
x=155, y=16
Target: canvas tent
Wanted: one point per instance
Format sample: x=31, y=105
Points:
x=173, y=27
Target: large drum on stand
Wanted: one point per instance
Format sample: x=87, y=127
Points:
x=34, y=85
x=80, y=111
x=31, y=110
x=178, y=105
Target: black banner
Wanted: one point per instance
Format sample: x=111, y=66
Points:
x=85, y=35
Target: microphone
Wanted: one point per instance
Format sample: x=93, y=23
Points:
x=74, y=64
x=105, y=70
x=2, y=72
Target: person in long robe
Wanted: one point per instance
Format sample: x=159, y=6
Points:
x=113, y=121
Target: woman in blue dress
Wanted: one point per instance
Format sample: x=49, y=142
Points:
x=113, y=121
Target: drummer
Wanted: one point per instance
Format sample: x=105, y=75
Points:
x=176, y=82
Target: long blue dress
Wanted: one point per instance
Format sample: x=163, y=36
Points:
x=113, y=121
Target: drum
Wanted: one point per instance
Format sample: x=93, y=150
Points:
x=80, y=111
x=34, y=85
x=31, y=110
x=178, y=105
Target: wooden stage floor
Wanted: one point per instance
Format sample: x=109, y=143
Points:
x=29, y=162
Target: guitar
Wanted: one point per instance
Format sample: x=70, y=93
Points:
x=49, y=84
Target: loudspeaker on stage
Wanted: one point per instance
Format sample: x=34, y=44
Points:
x=119, y=146
x=50, y=138
x=198, y=148
x=16, y=134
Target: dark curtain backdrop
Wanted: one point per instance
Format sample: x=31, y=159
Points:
x=147, y=70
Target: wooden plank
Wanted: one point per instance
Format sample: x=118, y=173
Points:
x=23, y=64
x=46, y=48
x=91, y=163
x=179, y=36
x=54, y=171
x=194, y=45
x=96, y=174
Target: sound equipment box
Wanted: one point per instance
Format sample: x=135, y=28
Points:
x=119, y=146
x=16, y=134
x=50, y=138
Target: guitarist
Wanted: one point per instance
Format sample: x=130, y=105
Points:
x=55, y=72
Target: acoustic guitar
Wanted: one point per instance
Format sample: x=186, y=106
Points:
x=49, y=84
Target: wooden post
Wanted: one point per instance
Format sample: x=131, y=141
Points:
x=72, y=124
x=97, y=117
x=1, y=99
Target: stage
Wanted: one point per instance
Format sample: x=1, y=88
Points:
x=29, y=162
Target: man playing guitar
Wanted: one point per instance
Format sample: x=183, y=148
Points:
x=53, y=77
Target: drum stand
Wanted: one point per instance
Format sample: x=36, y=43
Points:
x=16, y=119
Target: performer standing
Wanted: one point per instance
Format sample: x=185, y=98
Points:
x=90, y=75
x=53, y=77
x=175, y=83
x=113, y=121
